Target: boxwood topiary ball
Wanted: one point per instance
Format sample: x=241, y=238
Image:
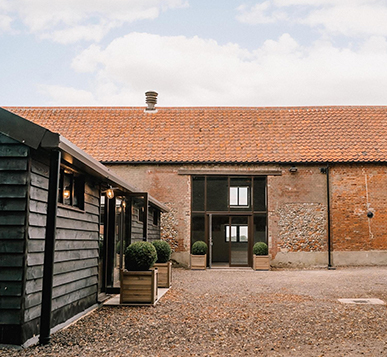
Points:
x=260, y=248
x=163, y=251
x=140, y=256
x=199, y=248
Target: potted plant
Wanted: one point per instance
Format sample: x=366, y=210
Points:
x=261, y=256
x=138, y=282
x=199, y=255
x=163, y=265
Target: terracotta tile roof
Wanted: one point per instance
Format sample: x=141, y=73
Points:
x=221, y=134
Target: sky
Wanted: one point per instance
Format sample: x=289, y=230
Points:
x=193, y=52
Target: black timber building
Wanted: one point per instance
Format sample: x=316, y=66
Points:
x=61, y=238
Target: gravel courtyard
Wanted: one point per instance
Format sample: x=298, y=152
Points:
x=239, y=313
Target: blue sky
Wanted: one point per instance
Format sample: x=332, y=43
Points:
x=193, y=52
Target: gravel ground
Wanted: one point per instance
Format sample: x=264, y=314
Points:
x=239, y=313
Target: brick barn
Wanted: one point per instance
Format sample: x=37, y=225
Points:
x=309, y=181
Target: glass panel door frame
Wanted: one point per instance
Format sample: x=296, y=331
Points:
x=209, y=237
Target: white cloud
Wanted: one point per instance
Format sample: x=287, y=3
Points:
x=67, y=95
x=259, y=14
x=5, y=23
x=67, y=21
x=337, y=17
x=350, y=20
x=195, y=71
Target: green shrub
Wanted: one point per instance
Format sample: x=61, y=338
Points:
x=140, y=256
x=163, y=251
x=260, y=248
x=199, y=248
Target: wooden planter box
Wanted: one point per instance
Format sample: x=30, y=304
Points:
x=199, y=262
x=165, y=274
x=139, y=287
x=261, y=262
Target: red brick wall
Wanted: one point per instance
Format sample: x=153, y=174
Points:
x=356, y=190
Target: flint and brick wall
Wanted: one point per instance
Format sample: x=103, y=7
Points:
x=297, y=206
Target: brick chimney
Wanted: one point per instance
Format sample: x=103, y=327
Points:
x=151, y=100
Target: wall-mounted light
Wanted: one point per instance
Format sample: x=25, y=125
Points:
x=293, y=169
x=109, y=193
x=66, y=193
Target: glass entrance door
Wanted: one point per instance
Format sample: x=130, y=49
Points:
x=229, y=238
x=239, y=241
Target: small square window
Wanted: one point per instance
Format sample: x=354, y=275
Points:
x=239, y=233
x=71, y=189
x=240, y=196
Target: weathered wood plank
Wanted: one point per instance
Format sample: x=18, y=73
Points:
x=10, y=317
x=92, y=200
x=12, y=218
x=9, y=302
x=92, y=209
x=33, y=286
x=40, y=168
x=34, y=299
x=13, y=178
x=10, y=191
x=75, y=255
x=32, y=313
x=38, y=194
x=36, y=245
x=9, y=232
x=12, y=246
x=68, y=245
x=75, y=234
x=11, y=288
x=35, y=259
x=67, y=278
x=38, y=207
x=63, y=267
x=13, y=164
x=35, y=272
x=75, y=296
x=78, y=216
x=73, y=224
x=36, y=232
x=11, y=274
x=92, y=190
x=37, y=220
x=13, y=150
x=39, y=181
x=12, y=204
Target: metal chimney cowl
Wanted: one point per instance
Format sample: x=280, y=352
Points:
x=151, y=100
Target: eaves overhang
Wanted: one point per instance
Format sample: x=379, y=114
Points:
x=36, y=136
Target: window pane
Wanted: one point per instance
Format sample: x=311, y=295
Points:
x=243, y=196
x=198, y=193
x=260, y=228
x=243, y=234
x=217, y=191
x=198, y=227
x=233, y=233
x=227, y=233
x=259, y=194
x=233, y=196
